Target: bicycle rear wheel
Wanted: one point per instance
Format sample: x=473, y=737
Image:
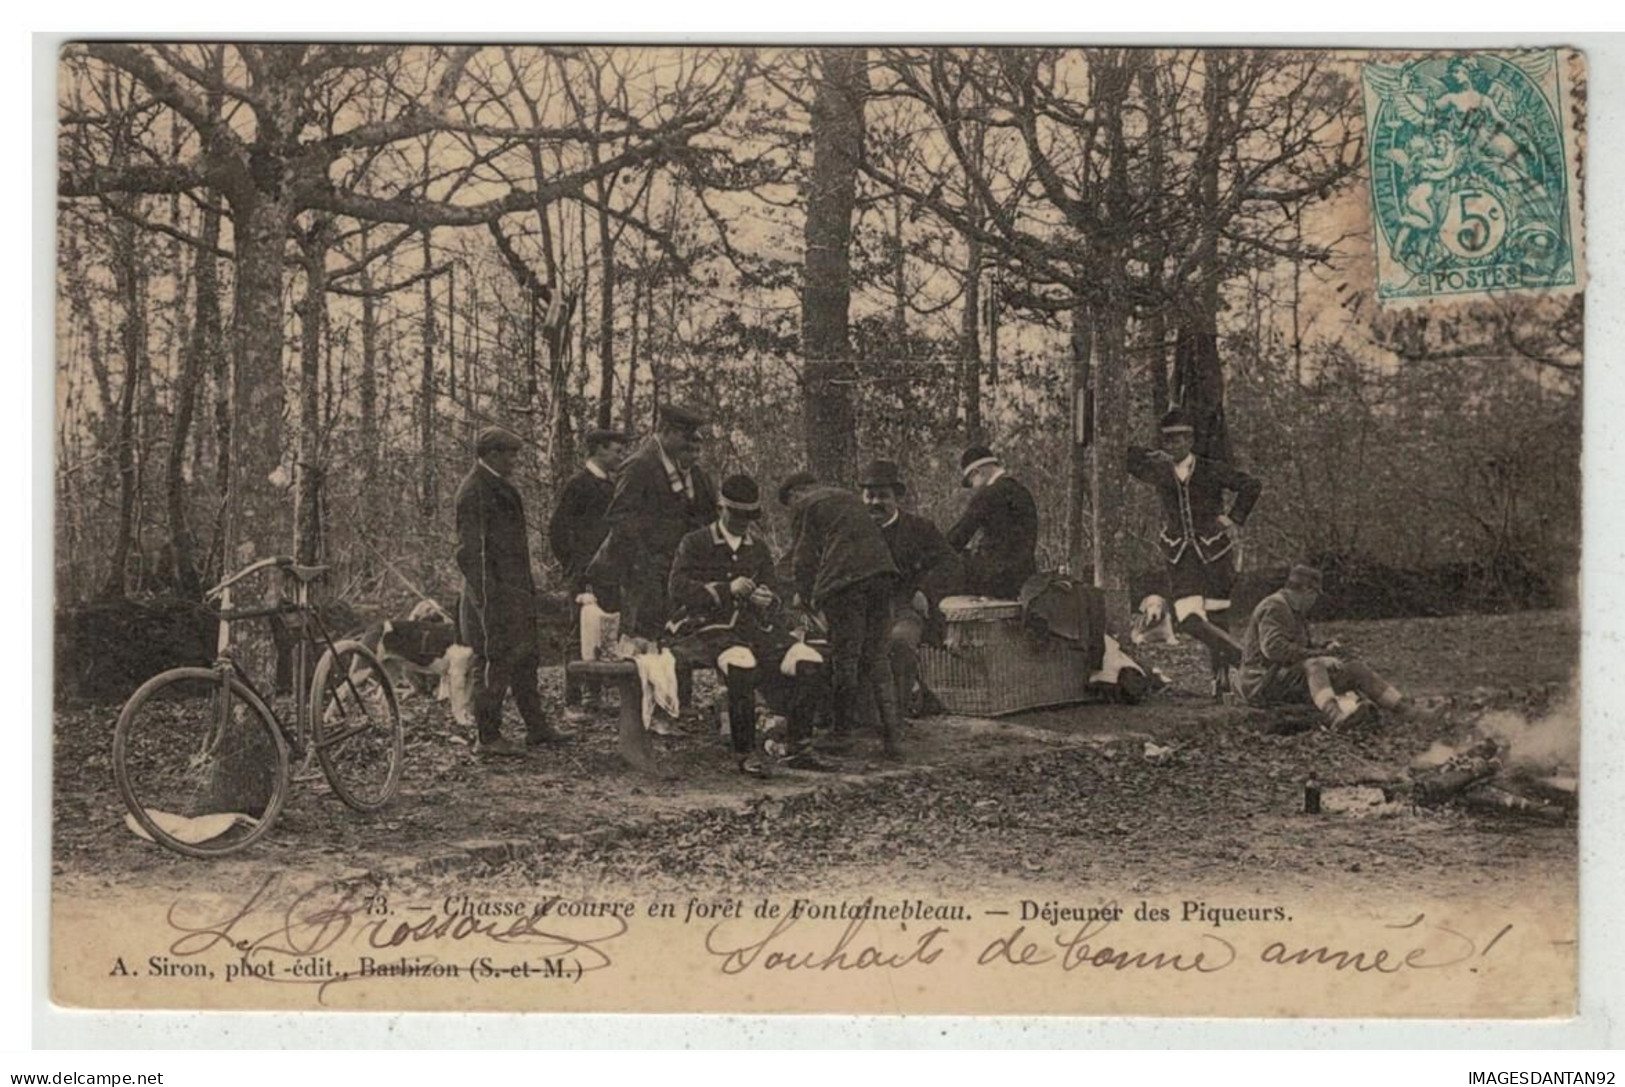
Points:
x=356, y=726
x=200, y=762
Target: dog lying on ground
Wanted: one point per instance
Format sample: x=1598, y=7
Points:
x=421, y=653
x=1153, y=622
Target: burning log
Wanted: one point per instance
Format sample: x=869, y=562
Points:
x=1498, y=798
x=1463, y=770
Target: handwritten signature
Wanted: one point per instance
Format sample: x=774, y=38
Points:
x=328, y=918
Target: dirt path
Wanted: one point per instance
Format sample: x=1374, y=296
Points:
x=1045, y=796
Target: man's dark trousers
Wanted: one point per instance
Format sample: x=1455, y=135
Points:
x=513, y=666
x=859, y=618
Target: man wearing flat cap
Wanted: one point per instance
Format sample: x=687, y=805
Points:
x=843, y=568
x=927, y=570
x=727, y=614
x=579, y=526
x=1282, y=665
x=662, y=495
x=1198, y=536
x=998, y=532
x=496, y=616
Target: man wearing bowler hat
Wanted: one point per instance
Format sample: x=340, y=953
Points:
x=579, y=526
x=998, y=530
x=662, y=495
x=927, y=570
x=727, y=614
x=1198, y=536
x=1282, y=664
x=496, y=615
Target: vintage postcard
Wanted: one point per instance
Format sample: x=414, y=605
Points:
x=878, y=530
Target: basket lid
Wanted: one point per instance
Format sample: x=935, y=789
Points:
x=970, y=609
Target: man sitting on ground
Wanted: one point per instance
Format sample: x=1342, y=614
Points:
x=1281, y=665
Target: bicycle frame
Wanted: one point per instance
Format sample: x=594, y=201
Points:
x=226, y=664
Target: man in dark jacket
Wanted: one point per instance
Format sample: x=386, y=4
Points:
x=998, y=530
x=662, y=495
x=1281, y=663
x=578, y=527
x=1198, y=537
x=497, y=613
x=726, y=614
x=843, y=567
x=927, y=568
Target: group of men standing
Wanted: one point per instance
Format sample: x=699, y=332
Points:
x=838, y=622
x=841, y=620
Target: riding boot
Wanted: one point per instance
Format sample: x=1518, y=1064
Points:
x=741, y=684
x=890, y=724
x=1222, y=648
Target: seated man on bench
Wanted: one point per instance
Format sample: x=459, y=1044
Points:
x=1280, y=665
x=726, y=614
x=998, y=532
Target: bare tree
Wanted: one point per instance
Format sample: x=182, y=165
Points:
x=277, y=151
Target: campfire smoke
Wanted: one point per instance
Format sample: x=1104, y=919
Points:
x=1545, y=744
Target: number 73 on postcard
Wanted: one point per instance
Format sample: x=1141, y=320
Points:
x=1474, y=179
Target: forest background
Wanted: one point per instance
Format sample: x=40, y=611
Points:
x=295, y=279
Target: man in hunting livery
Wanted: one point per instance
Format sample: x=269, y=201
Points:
x=1199, y=536
x=726, y=614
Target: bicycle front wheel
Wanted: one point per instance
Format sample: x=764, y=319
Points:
x=200, y=762
x=356, y=726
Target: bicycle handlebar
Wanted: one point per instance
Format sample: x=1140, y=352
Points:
x=254, y=568
x=237, y=615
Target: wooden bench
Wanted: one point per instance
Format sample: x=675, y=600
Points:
x=623, y=677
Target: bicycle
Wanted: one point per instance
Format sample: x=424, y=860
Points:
x=202, y=759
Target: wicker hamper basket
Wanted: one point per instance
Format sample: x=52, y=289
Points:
x=989, y=666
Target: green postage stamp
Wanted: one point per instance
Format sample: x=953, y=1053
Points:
x=1474, y=188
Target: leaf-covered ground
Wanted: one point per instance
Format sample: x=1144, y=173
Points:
x=1050, y=795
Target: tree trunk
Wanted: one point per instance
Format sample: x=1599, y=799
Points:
x=367, y=406
x=1109, y=485
x=606, y=317
x=629, y=410
x=826, y=294
x=970, y=344
x=426, y=484
x=451, y=336
x=312, y=309
x=203, y=350
x=1156, y=324
x=132, y=344
x=1079, y=453
x=258, y=518
x=1201, y=384
x=899, y=281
